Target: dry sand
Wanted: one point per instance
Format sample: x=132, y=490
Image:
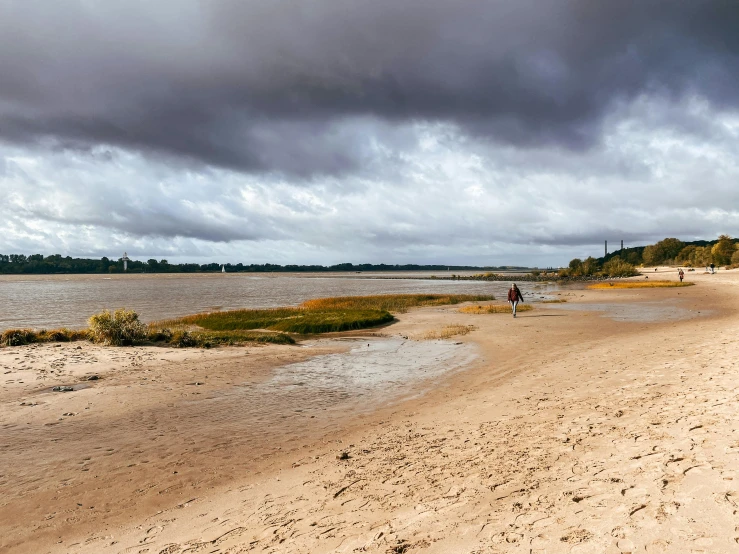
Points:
x=572, y=432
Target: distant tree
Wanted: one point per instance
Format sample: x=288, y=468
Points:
x=590, y=266
x=575, y=267
x=632, y=256
x=664, y=251
x=686, y=256
x=723, y=250
x=616, y=267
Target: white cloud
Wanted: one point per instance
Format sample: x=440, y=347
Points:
x=445, y=198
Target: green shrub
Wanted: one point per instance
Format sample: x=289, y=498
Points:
x=183, y=339
x=121, y=328
x=159, y=335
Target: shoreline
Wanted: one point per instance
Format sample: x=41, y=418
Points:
x=515, y=453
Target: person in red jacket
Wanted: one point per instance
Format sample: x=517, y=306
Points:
x=514, y=296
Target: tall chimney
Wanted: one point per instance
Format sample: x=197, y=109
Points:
x=606, y=248
x=622, y=244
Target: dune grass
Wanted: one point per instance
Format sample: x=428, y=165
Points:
x=639, y=285
x=446, y=332
x=554, y=301
x=20, y=337
x=395, y=303
x=495, y=309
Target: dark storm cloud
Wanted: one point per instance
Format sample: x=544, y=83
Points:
x=263, y=86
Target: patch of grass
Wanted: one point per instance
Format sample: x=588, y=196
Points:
x=323, y=315
x=396, y=303
x=495, y=309
x=288, y=320
x=446, y=332
x=639, y=285
x=235, y=319
x=554, y=301
x=231, y=338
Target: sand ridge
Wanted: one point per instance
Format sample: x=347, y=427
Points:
x=573, y=433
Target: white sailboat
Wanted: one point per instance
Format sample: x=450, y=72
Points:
x=223, y=269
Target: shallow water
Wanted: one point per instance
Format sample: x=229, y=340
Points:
x=373, y=367
x=635, y=311
x=50, y=301
x=374, y=372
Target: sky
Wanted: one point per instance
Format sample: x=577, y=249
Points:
x=471, y=132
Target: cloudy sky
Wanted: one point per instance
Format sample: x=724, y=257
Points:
x=398, y=131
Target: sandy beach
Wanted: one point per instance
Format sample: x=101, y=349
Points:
x=603, y=425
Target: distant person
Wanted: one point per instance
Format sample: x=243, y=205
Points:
x=514, y=296
x=712, y=266
x=680, y=273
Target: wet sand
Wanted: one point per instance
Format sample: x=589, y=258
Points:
x=571, y=431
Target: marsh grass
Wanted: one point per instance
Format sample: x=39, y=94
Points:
x=287, y=320
x=395, y=303
x=554, y=301
x=322, y=315
x=446, y=332
x=639, y=285
x=495, y=309
x=208, y=339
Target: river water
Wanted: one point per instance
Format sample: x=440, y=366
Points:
x=51, y=301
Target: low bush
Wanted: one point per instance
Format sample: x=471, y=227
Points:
x=121, y=328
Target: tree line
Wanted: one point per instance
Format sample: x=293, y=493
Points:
x=670, y=251
x=39, y=264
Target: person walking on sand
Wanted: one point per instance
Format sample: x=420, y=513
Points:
x=514, y=296
x=680, y=273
